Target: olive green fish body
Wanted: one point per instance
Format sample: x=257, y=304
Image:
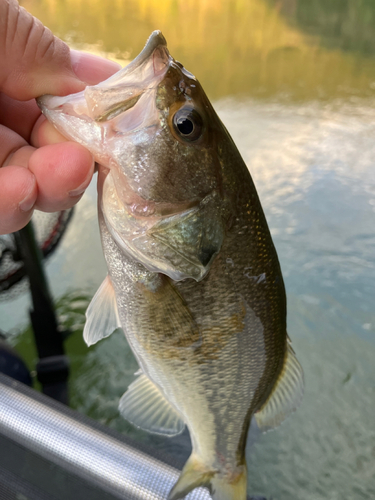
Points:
x=193, y=276
x=217, y=344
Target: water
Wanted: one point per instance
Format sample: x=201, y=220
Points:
x=294, y=83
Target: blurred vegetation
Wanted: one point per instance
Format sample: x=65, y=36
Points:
x=300, y=49
x=348, y=25
x=70, y=310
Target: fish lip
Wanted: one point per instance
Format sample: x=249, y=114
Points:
x=153, y=42
x=87, y=100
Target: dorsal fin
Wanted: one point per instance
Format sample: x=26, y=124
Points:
x=144, y=405
x=101, y=315
x=286, y=395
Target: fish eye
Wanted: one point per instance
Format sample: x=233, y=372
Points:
x=188, y=124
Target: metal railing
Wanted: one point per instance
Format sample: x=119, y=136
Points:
x=50, y=440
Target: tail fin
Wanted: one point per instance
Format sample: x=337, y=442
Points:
x=195, y=474
x=221, y=489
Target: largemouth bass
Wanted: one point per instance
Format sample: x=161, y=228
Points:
x=193, y=276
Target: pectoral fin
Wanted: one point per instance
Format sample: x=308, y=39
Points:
x=145, y=406
x=189, y=242
x=285, y=397
x=101, y=315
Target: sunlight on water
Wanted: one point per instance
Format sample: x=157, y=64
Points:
x=233, y=46
x=294, y=83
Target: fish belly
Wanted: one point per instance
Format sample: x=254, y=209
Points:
x=209, y=366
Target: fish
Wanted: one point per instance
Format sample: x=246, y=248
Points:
x=193, y=280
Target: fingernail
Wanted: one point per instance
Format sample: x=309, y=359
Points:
x=82, y=188
x=29, y=201
x=91, y=68
x=77, y=192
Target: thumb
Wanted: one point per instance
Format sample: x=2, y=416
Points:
x=33, y=61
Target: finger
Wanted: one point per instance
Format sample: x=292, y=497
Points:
x=44, y=133
x=19, y=116
x=89, y=67
x=10, y=142
x=92, y=69
x=63, y=172
x=20, y=157
x=25, y=119
x=33, y=61
x=18, y=194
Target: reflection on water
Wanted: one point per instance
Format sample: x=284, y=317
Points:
x=253, y=47
x=344, y=24
x=312, y=160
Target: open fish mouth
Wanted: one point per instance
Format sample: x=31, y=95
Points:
x=82, y=116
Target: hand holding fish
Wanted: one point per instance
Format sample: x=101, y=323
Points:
x=39, y=168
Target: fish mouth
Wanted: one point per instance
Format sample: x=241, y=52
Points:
x=124, y=89
x=98, y=112
x=155, y=41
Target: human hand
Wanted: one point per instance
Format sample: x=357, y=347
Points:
x=39, y=168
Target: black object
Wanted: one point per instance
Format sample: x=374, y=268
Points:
x=53, y=366
x=21, y=256
x=49, y=229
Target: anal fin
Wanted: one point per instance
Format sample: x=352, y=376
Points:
x=101, y=315
x=145, y=406
x=286, y=395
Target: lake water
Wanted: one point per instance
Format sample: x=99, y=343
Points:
x=294, y=83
